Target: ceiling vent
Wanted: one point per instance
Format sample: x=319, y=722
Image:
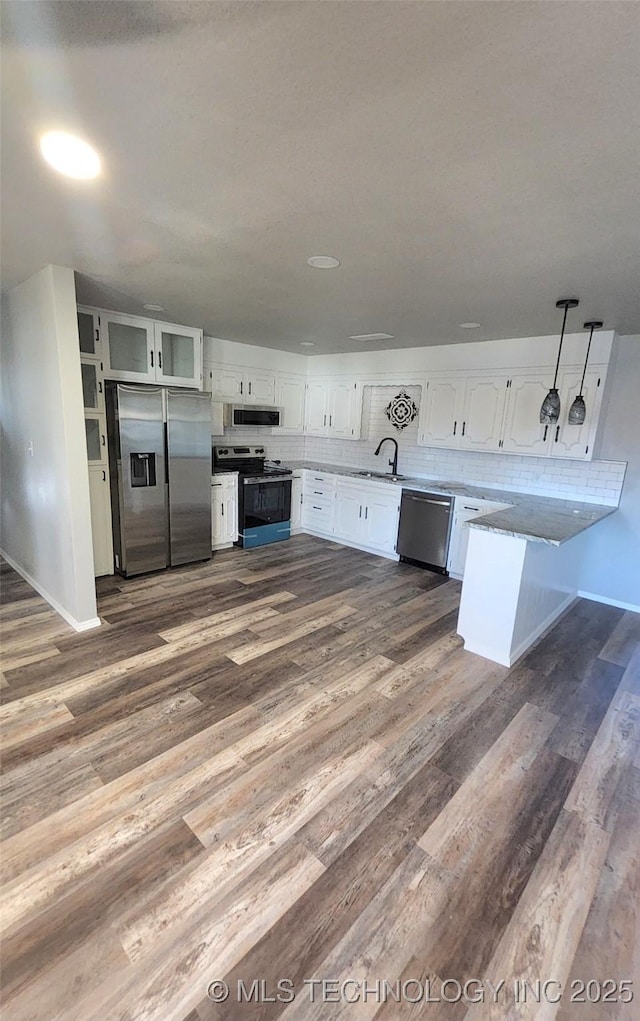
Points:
x=363, y=337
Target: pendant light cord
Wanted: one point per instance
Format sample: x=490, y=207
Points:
x=584, y=371
x=564, y=322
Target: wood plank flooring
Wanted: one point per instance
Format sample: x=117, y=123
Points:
x=282, y=766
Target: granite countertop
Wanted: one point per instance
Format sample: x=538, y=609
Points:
x=535, y=518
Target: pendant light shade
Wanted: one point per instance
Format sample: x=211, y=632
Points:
x=550, y=409
x=578, y=410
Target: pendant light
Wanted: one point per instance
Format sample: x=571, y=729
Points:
x=578, y=410
x=550, y=410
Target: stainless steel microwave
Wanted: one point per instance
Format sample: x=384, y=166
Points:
x=251, y=414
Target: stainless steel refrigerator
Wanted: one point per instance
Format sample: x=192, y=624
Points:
x=160, y=469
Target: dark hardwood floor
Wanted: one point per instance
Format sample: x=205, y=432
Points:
x=282, y=766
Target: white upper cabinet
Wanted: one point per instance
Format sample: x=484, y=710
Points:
x=236, y=385
x=523, y=432
x=316, y=414
x=334, y=408
x=441, y=412
x=483, y=412
x=576, y=441
x=129, y=348
x=226, y=384
x=290, y=396
x=260, y=387
x=178, y=351
x=137, y=350
x=345, y=410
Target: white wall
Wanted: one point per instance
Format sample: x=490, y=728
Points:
x=45, y=517
x=611, y=566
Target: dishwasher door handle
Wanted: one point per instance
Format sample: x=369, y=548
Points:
x=436, y=503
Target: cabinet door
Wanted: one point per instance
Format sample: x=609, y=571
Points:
x=96, y=434
x=227, y=384
x=483, y=412
x=217, y=514
x=260, y=387
x=296, y=502
x=99, y=494
x=441, y=412
x=290, y=397
x=178, y=355
x=89, y=334
x=316, y=409
x=576, y=441
x=523, y=431
x=349, y=512
x=381, y=515
x=230, y=512
x=344, y=410
x=92, y=386
x=129, y=348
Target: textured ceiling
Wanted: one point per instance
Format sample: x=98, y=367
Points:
x=464, y=161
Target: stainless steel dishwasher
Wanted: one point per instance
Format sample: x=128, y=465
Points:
x=425, y=529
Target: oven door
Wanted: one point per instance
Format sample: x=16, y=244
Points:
x=265, y=502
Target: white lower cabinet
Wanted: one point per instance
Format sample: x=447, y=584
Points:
x=318, y=502
x=367, y=515
x=224, y=511
x=296, y=501
x=100, y=498
x=465, y=510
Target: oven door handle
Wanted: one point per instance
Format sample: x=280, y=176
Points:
x=261, y=482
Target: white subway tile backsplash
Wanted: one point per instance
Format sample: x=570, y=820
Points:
x=587, y=481
x=590, y=481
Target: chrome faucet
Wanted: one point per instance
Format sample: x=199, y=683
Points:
x=394, y=461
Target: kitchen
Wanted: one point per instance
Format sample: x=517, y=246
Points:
x=320, y=429
x=320, y=511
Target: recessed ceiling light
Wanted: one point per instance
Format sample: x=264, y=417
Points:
x=362, y=337
x=469, y=326
x=323, y=262
x=154, y=308
x=307, y=343
x=70, y=155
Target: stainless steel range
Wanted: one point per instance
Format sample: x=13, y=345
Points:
x=264, y=494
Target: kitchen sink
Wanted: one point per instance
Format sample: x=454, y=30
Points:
x=381, y=475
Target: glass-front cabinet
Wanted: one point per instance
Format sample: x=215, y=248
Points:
x=137, y=350
x=92, y=386
x=89, y=334
x=96, y=433
x=178, y=355
x=128, y=343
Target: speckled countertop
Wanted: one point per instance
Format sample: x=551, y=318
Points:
x=535, y=518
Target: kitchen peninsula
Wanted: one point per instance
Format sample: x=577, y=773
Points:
x=522, y=563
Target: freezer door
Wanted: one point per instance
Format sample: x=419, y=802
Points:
x=141, y=475
x=189, y=457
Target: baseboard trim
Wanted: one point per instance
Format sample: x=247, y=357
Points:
x=77, y=625
x=509, y=659
x=352, y=545
x=546, y=625
x=610, y=602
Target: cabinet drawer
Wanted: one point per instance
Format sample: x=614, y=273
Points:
x=317, y=504
x=320, y=521
x=317, y=480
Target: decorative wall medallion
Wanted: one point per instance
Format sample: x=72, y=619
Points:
x=401, y=411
